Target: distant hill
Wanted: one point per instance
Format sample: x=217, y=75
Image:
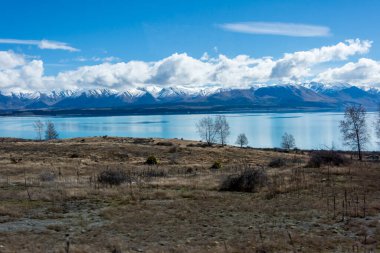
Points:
x=308, y=96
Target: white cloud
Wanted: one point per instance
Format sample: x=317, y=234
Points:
x=297, y=65
x=42, y=44
x=286, y=29
x=96, y=59
x=363, y=72
x=8, y=60
x=18, y=72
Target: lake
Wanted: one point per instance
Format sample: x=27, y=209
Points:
x=311, y=130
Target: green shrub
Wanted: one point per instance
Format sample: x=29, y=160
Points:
x=151, y=160
x=216, y=165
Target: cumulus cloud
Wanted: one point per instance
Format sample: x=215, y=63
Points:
x=294, y=66
x=9, y=60
x=42, y=44
x=22, y=75
x=286, y=29
x=19, y=73
x=363, y=72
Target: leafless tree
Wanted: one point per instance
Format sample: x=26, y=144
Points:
x=222, y=129
x=288, y=141
x=206, y=130
x=377, y=124
x=354, y=128
x=39, y=128
x=50, y=132
x=242, y=140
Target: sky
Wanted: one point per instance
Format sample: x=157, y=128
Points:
x=83, y=44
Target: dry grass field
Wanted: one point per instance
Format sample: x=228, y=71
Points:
x=51, y=199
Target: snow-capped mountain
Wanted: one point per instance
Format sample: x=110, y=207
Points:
x=282, y=96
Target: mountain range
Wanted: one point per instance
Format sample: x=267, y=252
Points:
x=307, y=96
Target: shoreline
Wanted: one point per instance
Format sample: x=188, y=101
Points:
x=176, y=142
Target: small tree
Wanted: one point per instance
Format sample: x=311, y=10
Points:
x=222, y=129
x=39, y=128
x=50, y=132
x=354, y=128
x=377, y=124
x=206, y=130
x=242, y=140
x=288, y=141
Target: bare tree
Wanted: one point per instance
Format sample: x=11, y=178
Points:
x=288, y=141
x=242, y=140
x=206, y=130
x=222, y=129
x=39, y=128
x=50, y=132
x=354, y=128
x=377, y=124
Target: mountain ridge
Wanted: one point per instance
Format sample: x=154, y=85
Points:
x=286, y=96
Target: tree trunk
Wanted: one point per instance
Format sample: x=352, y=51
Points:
x=359, y=148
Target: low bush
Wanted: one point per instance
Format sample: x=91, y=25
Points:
x=277, y=163
x=142, y=140
x=200, y=145
x=151, y=160
x=112, y=177
x=326, y=157
x=47, y=176
x=165, y=143
x=174, y=149
x=74, y=155
x=249, y=180
x=153, y=172
x=216, y=165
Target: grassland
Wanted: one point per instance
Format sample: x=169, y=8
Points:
x=51, y=201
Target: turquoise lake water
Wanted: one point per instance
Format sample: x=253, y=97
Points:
x=311, y=130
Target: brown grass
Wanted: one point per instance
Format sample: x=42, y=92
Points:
x=327, y=209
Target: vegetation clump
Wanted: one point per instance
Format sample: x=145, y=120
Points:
x=153, y=173
x=277, y=162
x=47, y=176
x=112, y=177
x=250, y=180
x=326, y=157
x=216, y=165
x=151, y=160
x=165, y=143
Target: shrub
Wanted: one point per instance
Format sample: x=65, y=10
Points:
x=151, y=160
x=277, y=163
x=112, y=177
x=148, y=173
x=165, y=143
x=250, y=180
x=74, y=155
x=201, y=145
x=326, y=157
x=216, y=165
x=47, y=176
x=15, y=159
x=174, y=149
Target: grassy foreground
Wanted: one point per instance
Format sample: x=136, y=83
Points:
x=50, y=200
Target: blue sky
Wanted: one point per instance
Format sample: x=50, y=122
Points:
x=149, y=31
